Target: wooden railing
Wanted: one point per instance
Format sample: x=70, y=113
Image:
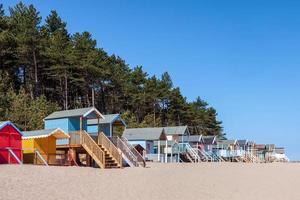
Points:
x=139, y=157
x=125, y=150
x=111, y=148
x=92, y=148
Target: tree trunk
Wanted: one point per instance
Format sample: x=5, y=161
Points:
x=35, y=74
x=66, y=91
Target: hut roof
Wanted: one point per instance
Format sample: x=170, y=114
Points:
x=144, y=134
x=84, y=112
x=192, y=138
x=243, y=142
x=280, y=150
x=108, y=119
x=228, y=142
x=56, y=132
x=4, y=123
x=176, y=130
x=209, y=139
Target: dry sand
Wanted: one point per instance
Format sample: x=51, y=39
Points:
x=207, y=181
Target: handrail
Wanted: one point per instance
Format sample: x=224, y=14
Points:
x=204, y=154
x=40, y=156
x=125, y=150
x=96, y=151
x=199, y=153
x=14, y=155
x=110, y=147
x=139, y=157
x=192, y=152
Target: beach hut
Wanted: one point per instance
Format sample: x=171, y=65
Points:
x=10, y=143
x=270, y=152
x=82, y=148
x=196, y=141
x=40, y=146
x=209, y=142
x=146, y=138
x=175, y=133
x=175, y=136
x=71, y=121
x=228, y=149
x=111, y=125
x=280, y=155
x=260, y=151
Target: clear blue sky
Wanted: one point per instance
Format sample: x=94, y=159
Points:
x=240, y=56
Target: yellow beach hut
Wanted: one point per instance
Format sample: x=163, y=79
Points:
x=39, y=146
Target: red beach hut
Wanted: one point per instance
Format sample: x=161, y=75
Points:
x=10, y=143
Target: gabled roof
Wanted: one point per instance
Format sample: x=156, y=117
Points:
x=228, y=142
x=144, y=134
x=84, y=112
x=280, y=150
x=108, y=119
x=191, y=138
x=4, y=123
x=243, y=142
x=209, y=139
x=56, y=132
x=176, y=130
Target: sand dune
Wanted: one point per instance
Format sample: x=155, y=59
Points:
x=208, y=181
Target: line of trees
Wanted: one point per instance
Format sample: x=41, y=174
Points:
x=44, y=68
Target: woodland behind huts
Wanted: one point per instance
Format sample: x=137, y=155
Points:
x=44, y=68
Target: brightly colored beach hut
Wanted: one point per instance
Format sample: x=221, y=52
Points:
x=111, y=125
x=10, y=143
x=228, y=148
x=210, y=143
x=71, y=121
x=40, y=145
x=146, y=138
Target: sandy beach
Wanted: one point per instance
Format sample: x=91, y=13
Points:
x=209, y=181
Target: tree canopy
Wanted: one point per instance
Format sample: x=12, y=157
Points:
x=44, y=68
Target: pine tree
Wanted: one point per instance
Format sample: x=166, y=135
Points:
x=44, y=68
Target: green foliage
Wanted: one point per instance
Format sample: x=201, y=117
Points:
x=44, y=68
x=27, y=114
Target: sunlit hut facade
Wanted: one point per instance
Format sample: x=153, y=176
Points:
x=175, y=135
x=146, y=137
x=228, y=148
x=111, y=125
x=42, y=142
x=72, y=121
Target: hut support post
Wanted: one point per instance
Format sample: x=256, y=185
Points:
x=110, y=130
x=171, y=153
x=98, y=124
x=158, y=151
x=166, y=152
x=80, y=123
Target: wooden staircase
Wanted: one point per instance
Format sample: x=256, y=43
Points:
x=110, y=162
x=103, y=156
x=113, y=156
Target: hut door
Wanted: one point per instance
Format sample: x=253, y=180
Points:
x=4, y=142
x=15, y=145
